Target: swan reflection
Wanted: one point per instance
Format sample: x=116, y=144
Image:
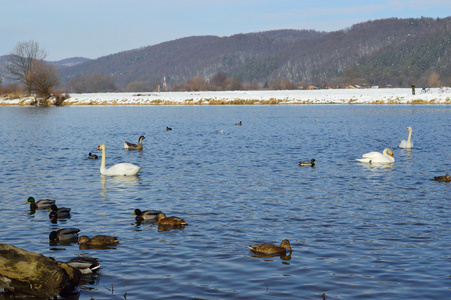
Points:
x=117, y=181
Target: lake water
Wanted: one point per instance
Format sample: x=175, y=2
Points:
x=357, y=231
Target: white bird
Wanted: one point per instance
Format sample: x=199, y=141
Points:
x=407, y=144
x=122, y=169
x=376, y=157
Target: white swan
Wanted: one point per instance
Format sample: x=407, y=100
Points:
x=122, y=169
x=376, y=157
x=407, y=144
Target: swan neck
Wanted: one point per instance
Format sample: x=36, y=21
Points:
x=410, y=136
x=102, y=164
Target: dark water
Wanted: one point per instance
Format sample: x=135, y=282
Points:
x=357, y=231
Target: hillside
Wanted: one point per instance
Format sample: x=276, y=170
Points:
x=381, y=52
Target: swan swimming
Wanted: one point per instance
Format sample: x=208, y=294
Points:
x=407, y=144
x=131, y=146
x=122, y=169
x=385, y=157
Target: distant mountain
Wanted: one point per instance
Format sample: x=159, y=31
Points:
x=380, y=52
x=69, y=62
x=194, y=56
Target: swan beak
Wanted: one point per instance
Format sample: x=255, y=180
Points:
x=98, y=148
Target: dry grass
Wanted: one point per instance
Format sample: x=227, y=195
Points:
x=213, y=101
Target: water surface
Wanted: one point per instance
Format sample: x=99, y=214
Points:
x=358, y=231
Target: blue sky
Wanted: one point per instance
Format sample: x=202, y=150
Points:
x=95, y=28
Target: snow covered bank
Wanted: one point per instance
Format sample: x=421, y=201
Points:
x=329, y=96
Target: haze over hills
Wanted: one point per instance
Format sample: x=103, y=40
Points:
x=381, y=52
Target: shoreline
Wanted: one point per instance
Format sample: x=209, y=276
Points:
x=279, y=97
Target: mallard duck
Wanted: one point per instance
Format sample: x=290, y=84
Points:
x=131, y=146
x=386, y=157
x=59, y=213
x=172, y=221
x=239, y=124
x=168, y=128
x=445, y=178
x=64, y=234
x=122, y=169
x=271, y=248
x=310, y=163
x=98, y=240
x=86, y=265
x=92, y=156
x=147, y=215
x=41, y=204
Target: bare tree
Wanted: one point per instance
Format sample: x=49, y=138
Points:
x=43, y=77
x=21, y=61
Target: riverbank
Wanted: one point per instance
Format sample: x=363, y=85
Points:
x=328, y=96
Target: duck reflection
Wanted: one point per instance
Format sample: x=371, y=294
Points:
x=144, y=222
x=62, y=243
x=168, y=227
x=283, y=255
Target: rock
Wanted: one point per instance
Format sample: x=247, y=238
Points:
x=32, y=274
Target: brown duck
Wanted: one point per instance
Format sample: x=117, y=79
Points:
x=172, y=221
x=271, y=248
x=445, y=178
x=98, y=240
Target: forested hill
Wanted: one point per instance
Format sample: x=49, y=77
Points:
x=381, y=52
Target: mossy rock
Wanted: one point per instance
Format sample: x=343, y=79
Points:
x=32, y=274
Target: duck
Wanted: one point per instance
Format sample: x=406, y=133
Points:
x=147, y=215
x=92, y=156
x=131, y=146
x=122, y=169
x=270, y=248
x=239, y=124
x=64, y=234
x=386, y=157
x=59, y=213
x=445, y=178
x=168, y=128
x=172, y=221
x=41, y=204
x=98, y=240
x=310, y=163
x=86, y=265
x=407, y=144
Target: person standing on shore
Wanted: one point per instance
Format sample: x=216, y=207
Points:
x=413, y=88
